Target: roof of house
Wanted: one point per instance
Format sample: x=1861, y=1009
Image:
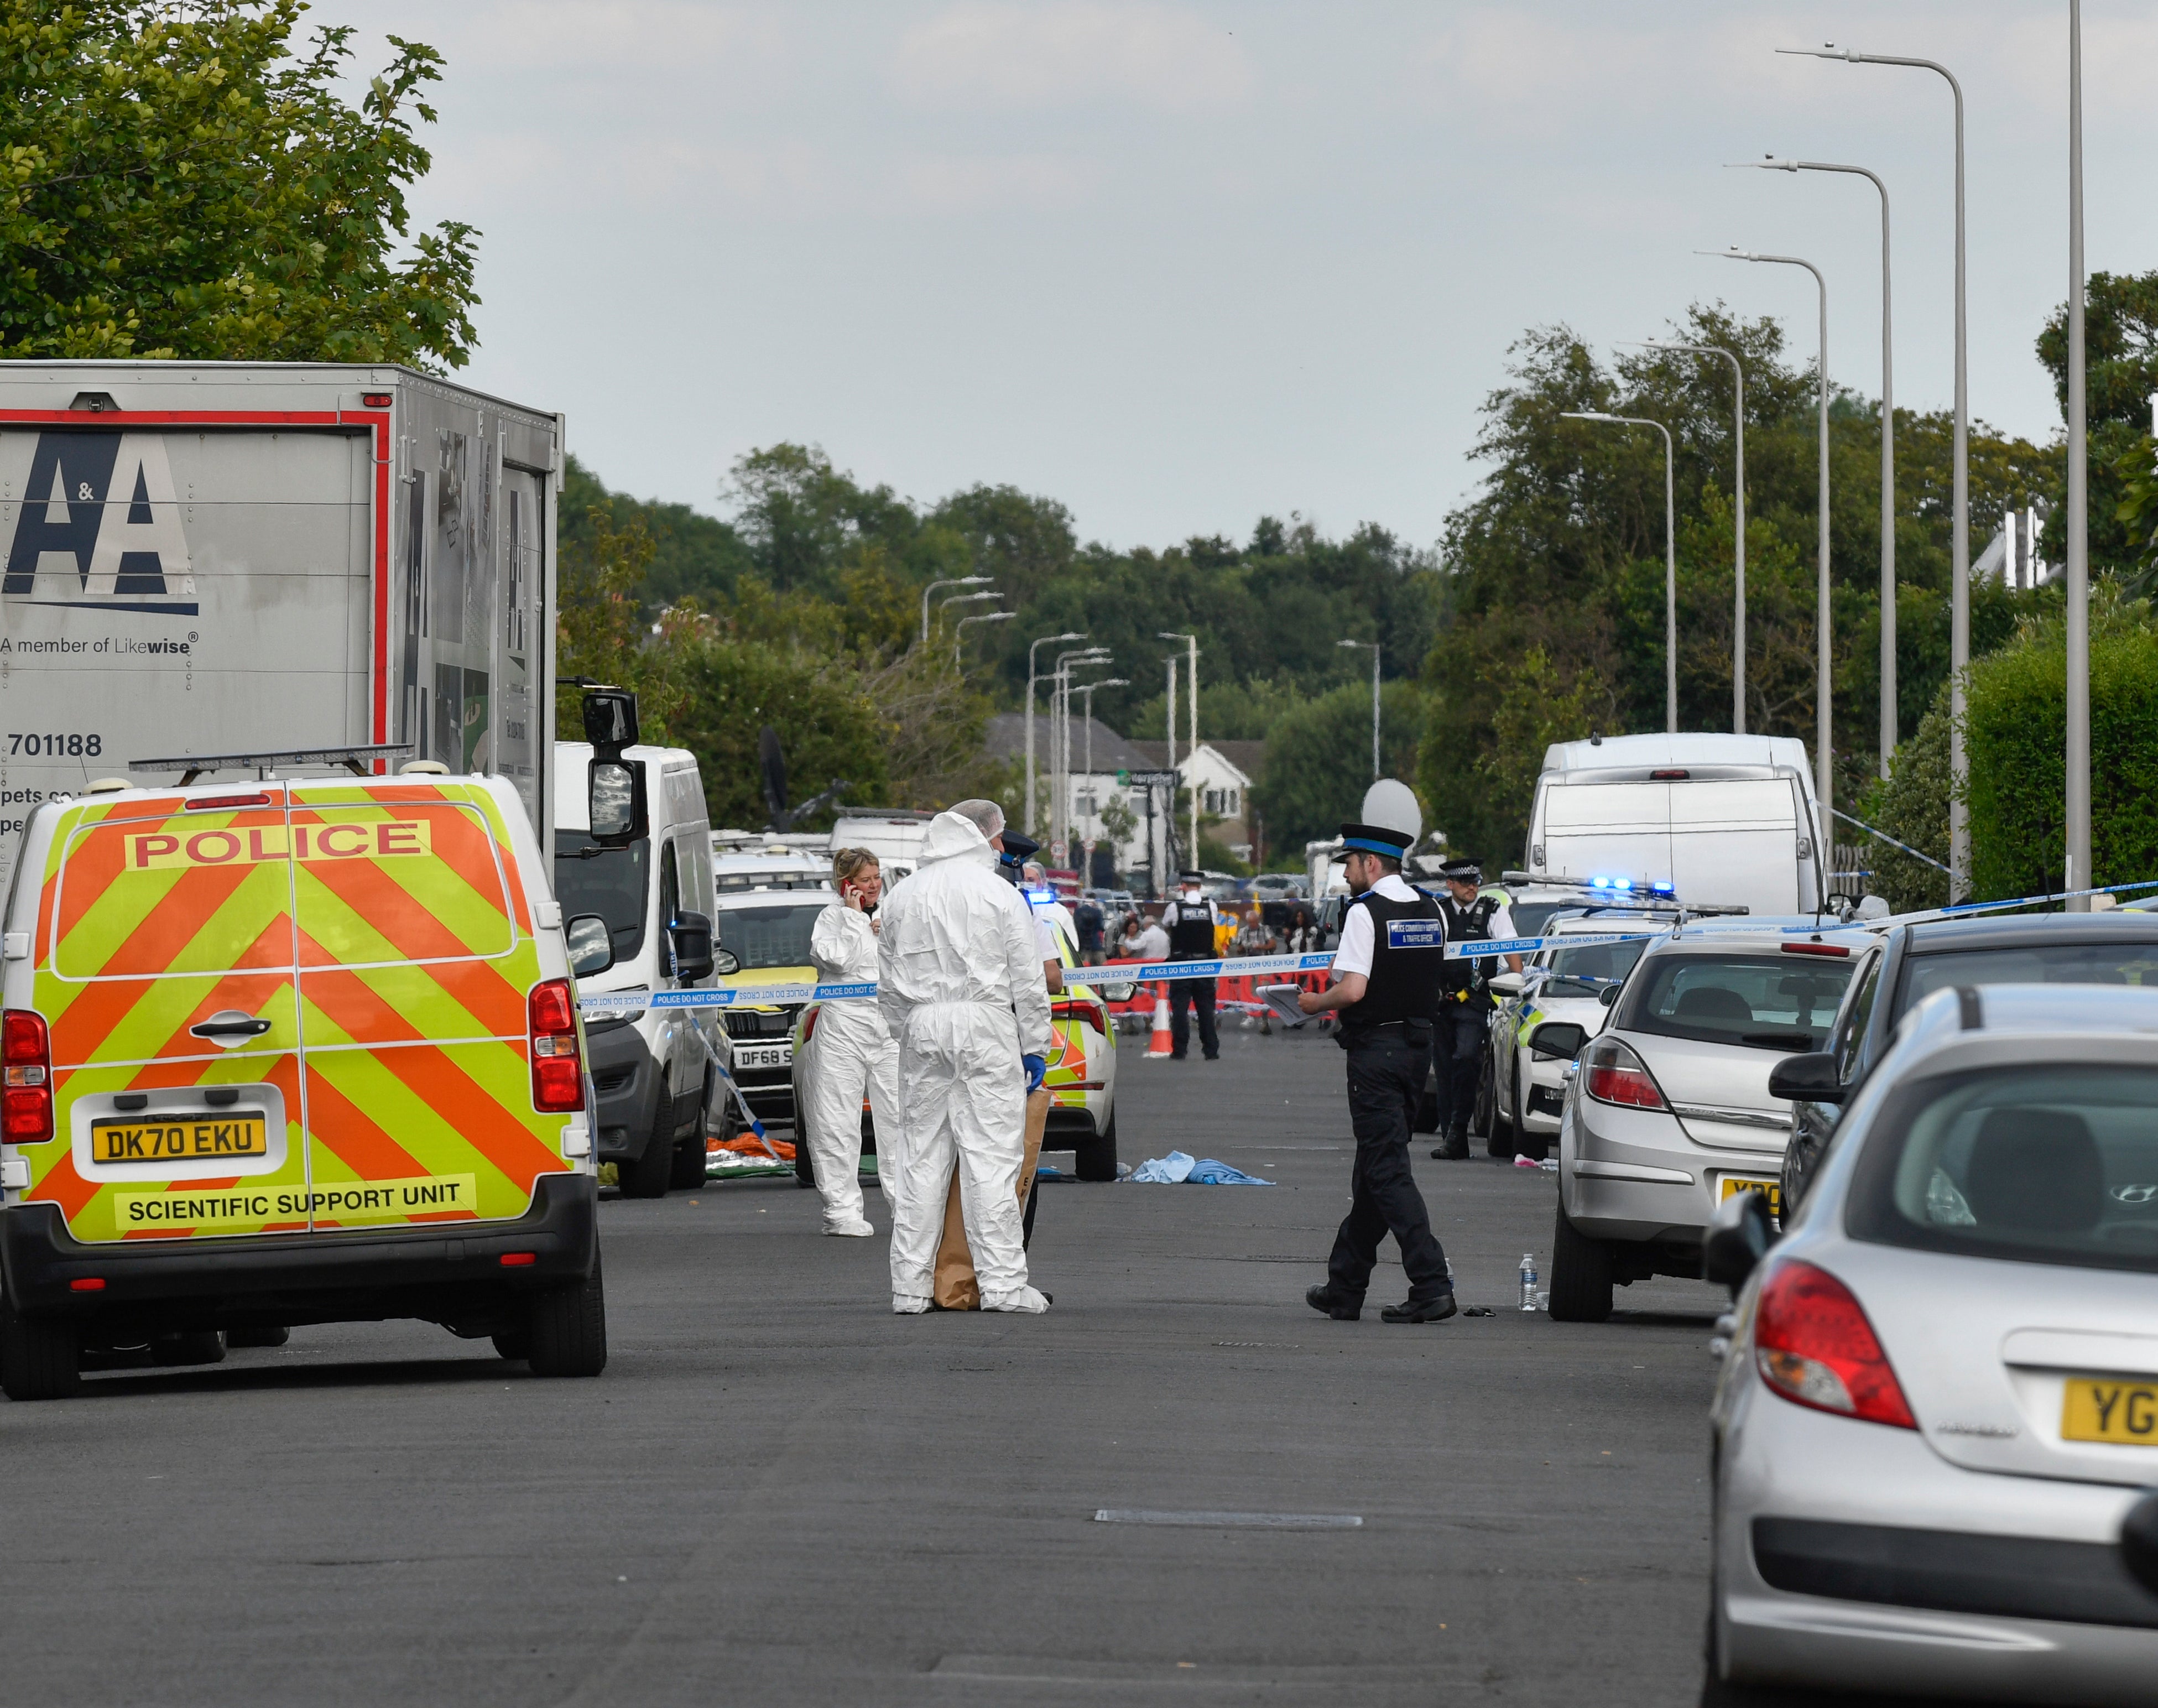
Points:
x=1004, y=737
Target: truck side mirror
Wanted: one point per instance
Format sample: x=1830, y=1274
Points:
x=689, y=936
x=610, y=720
x=1807, y=1079
x=1738, y=1239
x=615, y=791
x=591, y=944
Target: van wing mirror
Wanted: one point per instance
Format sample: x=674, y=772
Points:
x=690, y=937
x=610, y=720
x=724, y=963
x=591, y=944
x=1807, y=1079
x=616, y=813
x=1738, y=1237
x=1558, y=1040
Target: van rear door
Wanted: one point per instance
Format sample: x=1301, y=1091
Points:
x=1594, y=830
x=1735, y=840
x=416, y=960
x=164, y=967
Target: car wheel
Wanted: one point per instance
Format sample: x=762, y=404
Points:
x=1095, y=1159
x=1536, y=1146
x=1580, y=1275
x=40, y=1358
x=257, y=1336
x=1719, y=1693
x=567, y=1336
x=689, y=1154
x=191, y=1346
x=514, y=1344
x=648, y=1175
x=1502, y=1137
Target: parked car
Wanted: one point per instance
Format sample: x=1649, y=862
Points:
x=1670, y=1111
x=1940, y=1398
x=1912, y=960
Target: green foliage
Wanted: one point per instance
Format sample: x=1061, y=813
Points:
x=1319, y=761
x=1911, y=805
x=1535, y=707
x=694, y=556
x=601, y=632
x=2120, y=371
x=177, y=182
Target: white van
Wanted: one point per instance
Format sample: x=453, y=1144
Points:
x=652, y=1076
x=1726, y=819
x=894, y=834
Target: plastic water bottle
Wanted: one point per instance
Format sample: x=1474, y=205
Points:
x=1528, y=1281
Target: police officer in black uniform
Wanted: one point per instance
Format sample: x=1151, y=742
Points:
x=1388, y=980
x=1189, y=921
x=1464, y=1013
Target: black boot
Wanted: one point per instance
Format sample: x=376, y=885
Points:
x=1456, y=1148
x=1339, y=1306
x=1435, y=1310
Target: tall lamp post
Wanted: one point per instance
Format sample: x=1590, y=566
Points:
x=1738, y=519
x=942, y=605
x=1670, y=557
x=959, y=628
x=1191, y=670
x=2080, y=874
x=1059, y=678
x=1959, y=486
x=956, y=581
x=1087, y=692
x=1031, y=678
x=1374, y=645
x=1823, y=707
x=1888, y=453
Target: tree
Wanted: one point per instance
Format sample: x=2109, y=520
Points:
x=600, y=630
x=178, y=183
x=1318, y=759
x=2120, y=351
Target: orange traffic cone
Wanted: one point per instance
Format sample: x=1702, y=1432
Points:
x=1159, y=1049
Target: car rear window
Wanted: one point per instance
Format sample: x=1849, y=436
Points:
x=2064, y=962
x=2035, y=1165
x=405, y=880
x=1584, y=972
x=1758, y=1001
x=192, y=893
x=778, y=935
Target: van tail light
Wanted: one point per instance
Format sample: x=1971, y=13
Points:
x=558, y=1070
x=1814, y=1347
x=1612, y=1073
x=26, y=1099
x=1092, y=1013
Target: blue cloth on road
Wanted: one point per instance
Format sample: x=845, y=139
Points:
x=1179, y=1169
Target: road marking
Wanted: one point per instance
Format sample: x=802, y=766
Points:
x=1233, y=1521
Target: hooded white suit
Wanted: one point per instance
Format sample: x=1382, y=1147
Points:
x=855, y=1055
x=957, y=957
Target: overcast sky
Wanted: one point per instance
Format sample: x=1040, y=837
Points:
x=1179, y=265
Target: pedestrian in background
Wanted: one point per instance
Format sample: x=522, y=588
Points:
x=1191, y=921
x=855, y=1055
x=1464, y=1017
x=1152, y=942
x=1087, y=916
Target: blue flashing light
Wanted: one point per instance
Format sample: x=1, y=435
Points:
x=1661, y=889
x=1599, y=883
x=1622, y=883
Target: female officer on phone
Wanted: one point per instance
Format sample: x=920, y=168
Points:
x=855, y=1054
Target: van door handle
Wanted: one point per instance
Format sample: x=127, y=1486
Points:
x=229, y=1023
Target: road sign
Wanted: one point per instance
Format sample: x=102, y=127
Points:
x=1150, y=779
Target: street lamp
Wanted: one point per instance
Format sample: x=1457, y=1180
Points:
x=967, y=599
x=959, y=628
x=1046, y=640
x=1092, y=807
x=1059, y=678
x=1374, y=646
x=2080, y=874
x=1888, y=453
x=1738, y=520
x=1670, y=559
x=1824, y=708
x=1071, y=689
x=1959, y=484
x=1192, y=670
x=958, y=581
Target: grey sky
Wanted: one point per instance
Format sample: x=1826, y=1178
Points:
x=1180, y=264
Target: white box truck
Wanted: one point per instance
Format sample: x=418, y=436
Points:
x=212, y=558
x=1731, y=820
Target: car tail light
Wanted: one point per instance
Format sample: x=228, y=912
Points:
x=1814, y=1347
x=558, y=1070
x=1612, y=1073
x=26, y=1100
x=1840, y=951
x=1092, y=1013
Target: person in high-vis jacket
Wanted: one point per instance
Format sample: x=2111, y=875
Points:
x=1191, y=920
x=959, y=979
x=1464, y=1013
x=1388, y=975
x=855, y=1054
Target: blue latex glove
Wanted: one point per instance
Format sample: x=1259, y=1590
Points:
x=1037, y=1071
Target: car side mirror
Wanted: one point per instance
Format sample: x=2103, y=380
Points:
x=1609, y=994
x=690, y=937
x=1123, y=990
x=1807, y=1079
x=615, y=802
x=2139, y=1542
x=1739, y=1238
x=591, y=944
x=724, y=963
x=1560, y=1040
x=1506, y=984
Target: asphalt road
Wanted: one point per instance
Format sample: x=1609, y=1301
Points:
x=779, y=1493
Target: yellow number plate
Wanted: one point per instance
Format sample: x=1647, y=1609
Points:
x=192, y=1139
x=1772, y=1189
x=2118, y=1411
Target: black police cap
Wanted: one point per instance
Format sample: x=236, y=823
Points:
x=1376, y=838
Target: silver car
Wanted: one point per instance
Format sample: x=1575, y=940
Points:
x=1669, y=1112
x=1940, y=1399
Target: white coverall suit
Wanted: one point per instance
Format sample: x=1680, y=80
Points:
x=855, y=1054
x=957, y=956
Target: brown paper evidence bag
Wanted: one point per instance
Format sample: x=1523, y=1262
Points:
x=954, y=1288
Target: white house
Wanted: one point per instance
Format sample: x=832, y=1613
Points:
x=1115, y=761
x=1223, y=773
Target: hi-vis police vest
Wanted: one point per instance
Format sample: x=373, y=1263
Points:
x=1408, y=946
x=286, y=1007
x=1469, y=925
x=1192, y=932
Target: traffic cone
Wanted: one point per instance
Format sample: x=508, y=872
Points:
x=1159, y=1049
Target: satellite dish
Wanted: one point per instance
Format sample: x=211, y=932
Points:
x=1392, y=805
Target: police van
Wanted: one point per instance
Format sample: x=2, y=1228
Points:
x=291, y=1050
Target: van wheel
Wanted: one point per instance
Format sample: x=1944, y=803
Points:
x=689, y=1169
x=1581, y=1275
x=40, y=1358
x=805, y=1171
x=648, y=1175
x=1096, y=1158
x=568, y=1331
x=257, y=1337
x=191, y=1346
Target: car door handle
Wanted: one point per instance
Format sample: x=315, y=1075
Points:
x=230, y=1023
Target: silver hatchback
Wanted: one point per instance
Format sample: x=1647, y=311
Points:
x=1669, y=1112
x=1940, y=1399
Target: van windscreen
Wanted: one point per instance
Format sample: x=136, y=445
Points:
x=608, y=881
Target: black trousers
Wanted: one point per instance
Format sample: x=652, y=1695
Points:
x=1185, y=995
x=1385, y=1078
x=1462, y=1028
